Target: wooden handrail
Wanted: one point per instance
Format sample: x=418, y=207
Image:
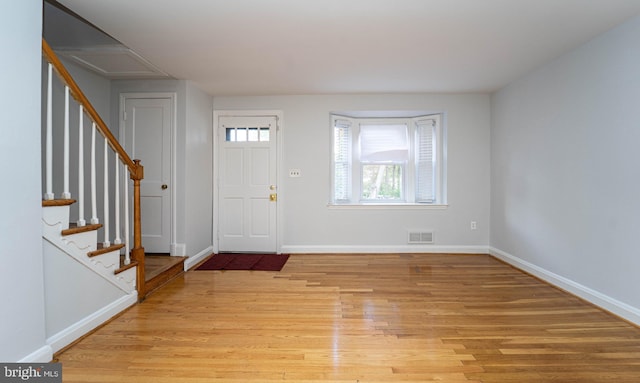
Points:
x=79, y=96
x=136, y=170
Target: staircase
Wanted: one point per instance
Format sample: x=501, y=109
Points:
x=94, y=265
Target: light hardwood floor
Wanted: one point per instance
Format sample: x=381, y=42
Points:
x=361, y=318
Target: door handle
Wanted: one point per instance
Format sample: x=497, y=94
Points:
x=273, y=197
x=164, y=186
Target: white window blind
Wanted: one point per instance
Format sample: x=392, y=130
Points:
x=342, y=160
x=425, y=161
x=384, y=143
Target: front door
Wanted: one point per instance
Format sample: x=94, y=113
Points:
x=247, y=197
x=147, y=126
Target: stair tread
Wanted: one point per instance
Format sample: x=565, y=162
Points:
x=103, y=250
x=58, y=202
x=75, y=229
x=126, y=267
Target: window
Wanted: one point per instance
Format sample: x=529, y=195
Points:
x=243, y=134
x=387, y=160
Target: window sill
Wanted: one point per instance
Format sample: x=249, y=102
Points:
x=387, y=206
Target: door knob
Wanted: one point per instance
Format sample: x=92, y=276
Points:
x=164, y=186
x=273, y=197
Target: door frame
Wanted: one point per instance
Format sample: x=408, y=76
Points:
x=278, y=114
x=175, y=249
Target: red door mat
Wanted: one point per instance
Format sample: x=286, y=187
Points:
x=263, y=262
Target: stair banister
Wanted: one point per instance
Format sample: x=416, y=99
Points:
x=136, y=170
x=48, y=195
x=127, y=245
x=83, y=100
x=116, y=179
x=105, y=194
x=66, y=194
x=81, y=220
x=94, y=199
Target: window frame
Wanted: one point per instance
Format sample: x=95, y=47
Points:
x=410, y=167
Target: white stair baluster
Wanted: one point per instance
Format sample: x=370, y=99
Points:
x=94, y=203
x=117, y=239
x=125, y=193
x=66, y=194
x=106, y=242
x=48, y=195
x=81, y=220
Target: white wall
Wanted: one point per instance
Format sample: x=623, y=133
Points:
x=565, y=170
x=22, y=319
x=309, y=225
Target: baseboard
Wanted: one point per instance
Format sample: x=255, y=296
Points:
x=195, y=259
x=74, y=332
x=621, y=309
x=42, y=355
x=479, y=249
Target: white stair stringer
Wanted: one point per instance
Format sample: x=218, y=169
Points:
x=78, y=245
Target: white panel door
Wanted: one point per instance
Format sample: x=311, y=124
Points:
x=247, y=197
x=147, y=130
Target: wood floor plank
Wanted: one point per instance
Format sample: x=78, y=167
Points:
x=361, y=318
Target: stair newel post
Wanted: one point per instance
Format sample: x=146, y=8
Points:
x=138, y=251
x=49, y=138
x=66, y=194
x=106, y=242
x=81, y=220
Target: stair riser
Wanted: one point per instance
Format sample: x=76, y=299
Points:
x=128, y=278
x=56, y=217
x=85, y=242
x=110, y=261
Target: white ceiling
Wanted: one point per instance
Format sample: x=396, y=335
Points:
x=268, y=47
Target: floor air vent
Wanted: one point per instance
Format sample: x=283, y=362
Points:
x=420, y=237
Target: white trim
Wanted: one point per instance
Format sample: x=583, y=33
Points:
x=387, y=206
x=174, y=172
x=84, y=326
x=279, y=115
x=42, y=355
x=478, y=249
x=214, y=182
x=597, y=298
x=195, y=259
x=178, y=249
x=173, y=96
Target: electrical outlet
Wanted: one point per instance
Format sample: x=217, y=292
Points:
x=295, y=173
x=473, y=225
